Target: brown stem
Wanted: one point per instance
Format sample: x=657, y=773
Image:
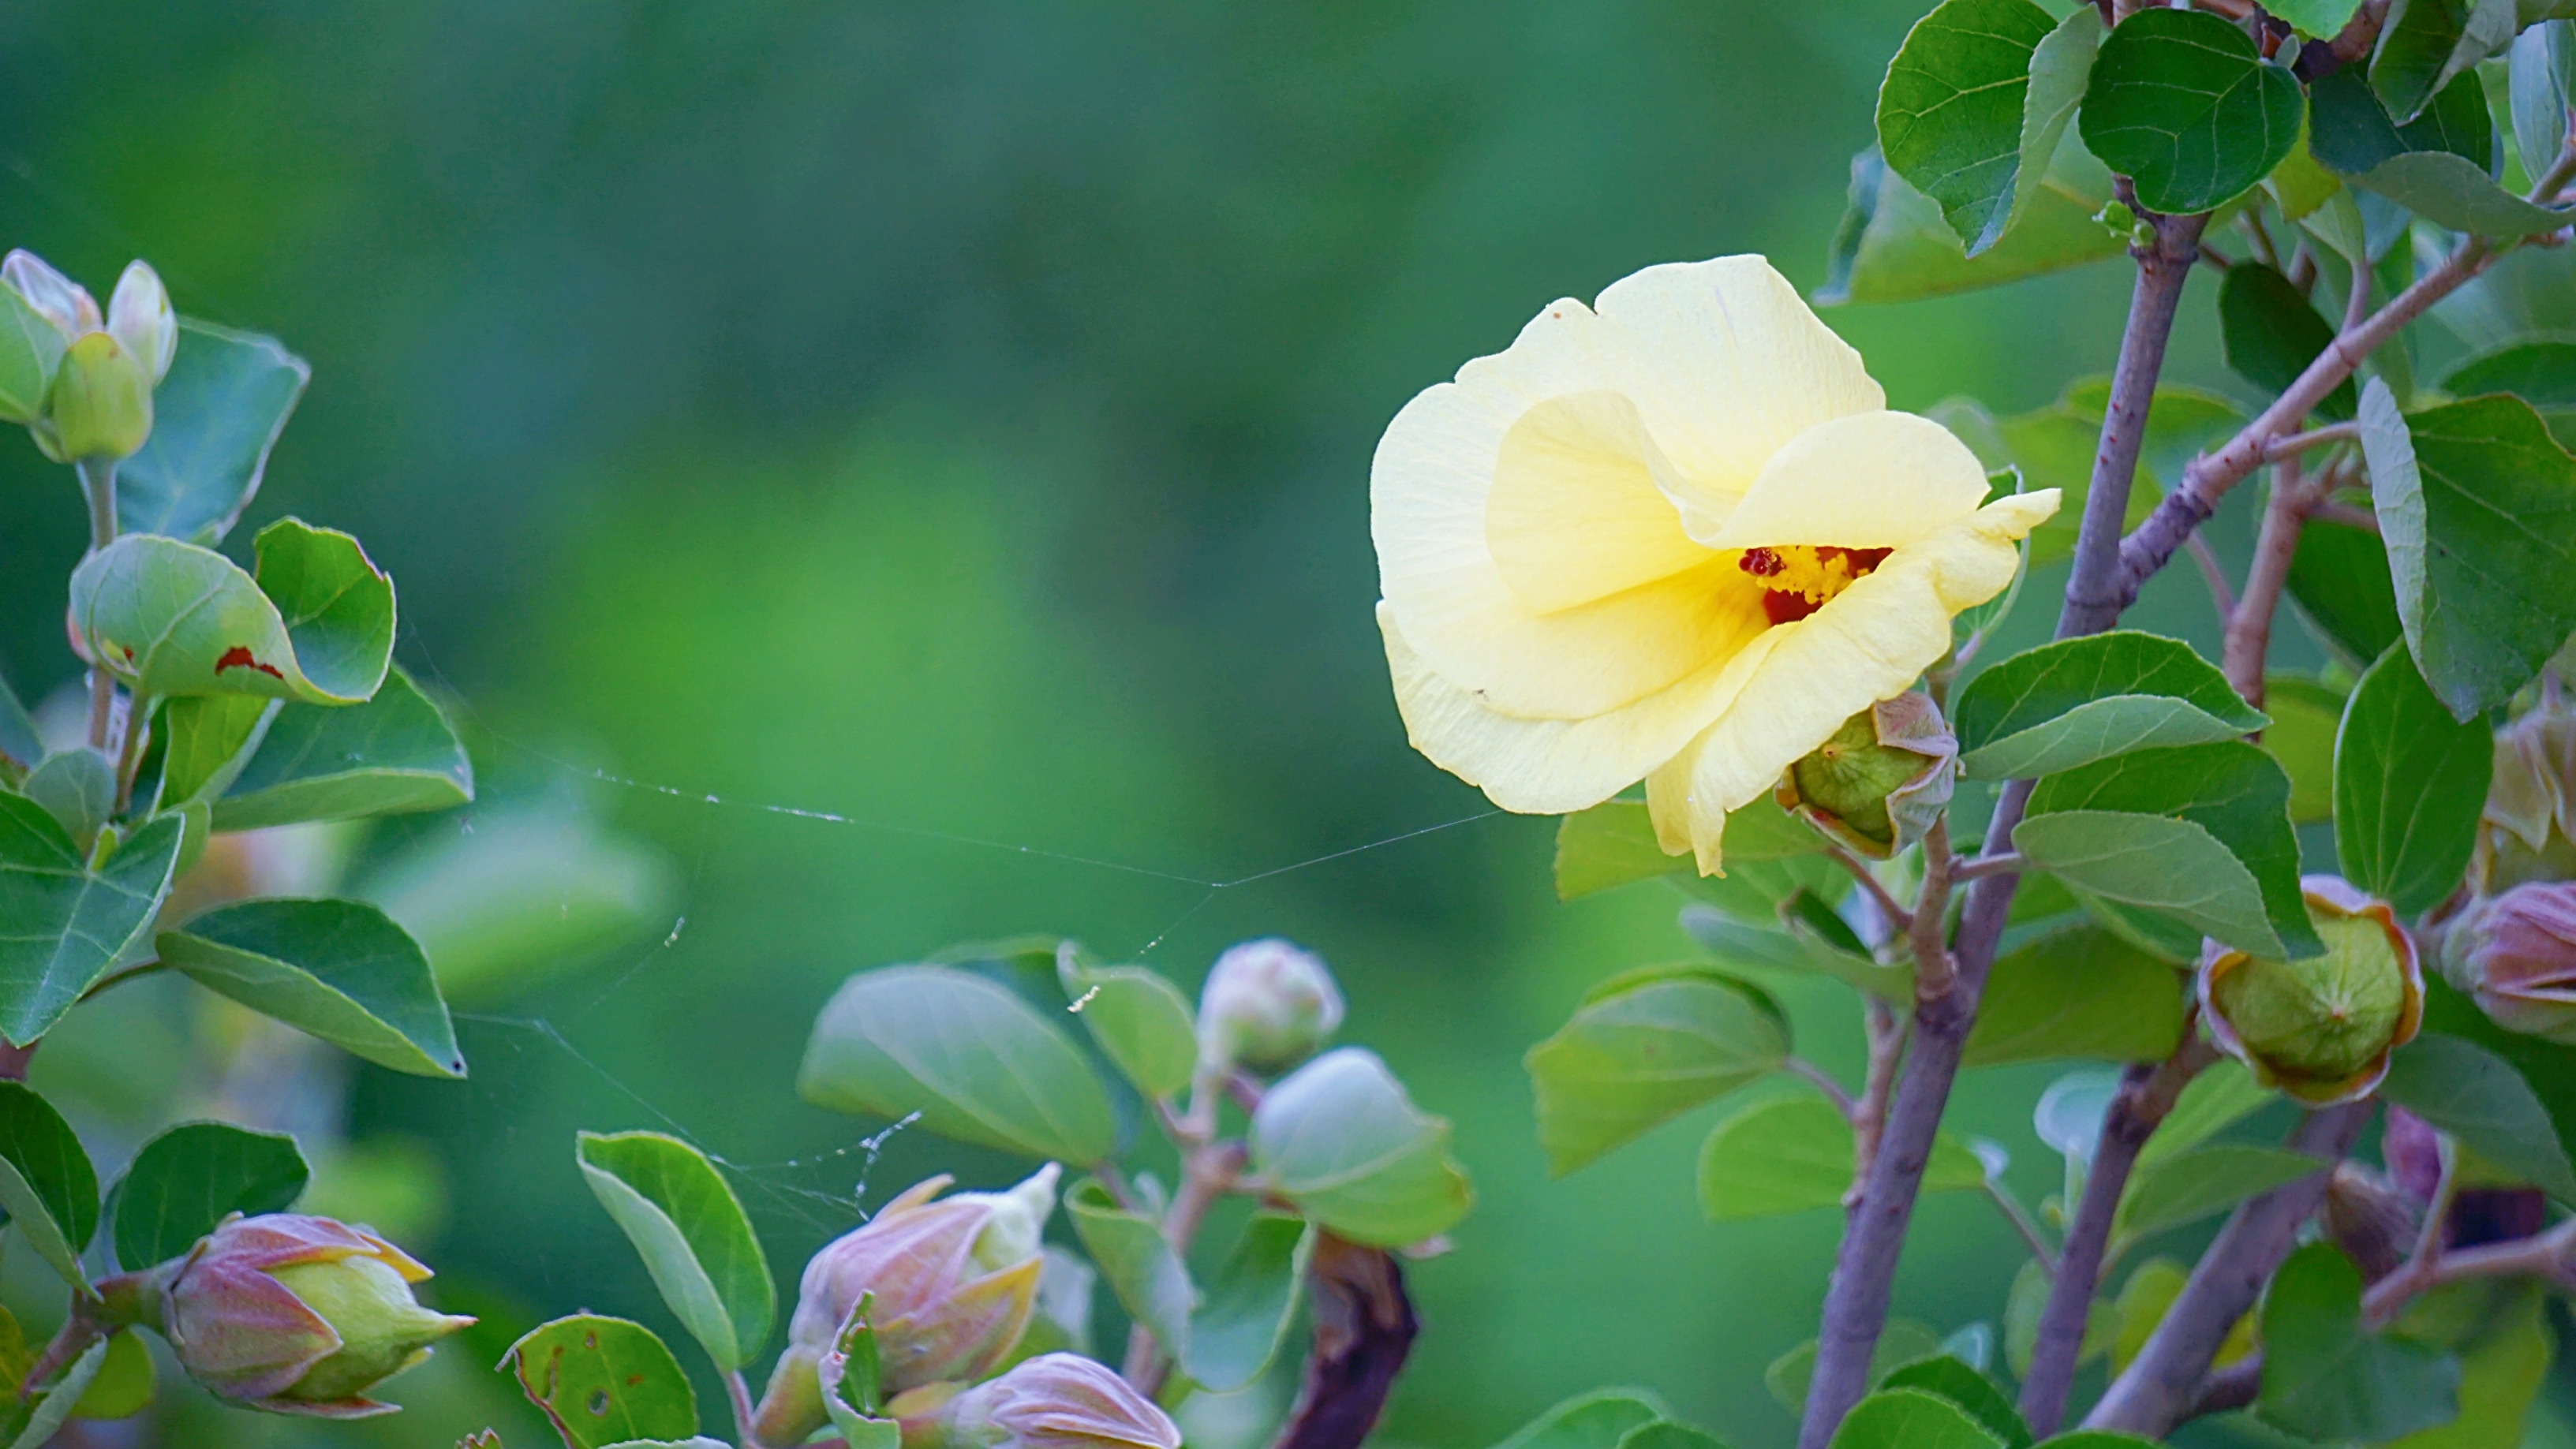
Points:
x=14, y=1059
x=2146, y=1096
x=2233, y=1387
x=1869, y=1113
x=2549, y=1255
x=1934, y=971
x=1364, y=1328
x=1823, y=1081
x=1899, y=919
x=2160, y=1384
x=2212, y=573
x=2249, y=626
x=1864, y=1275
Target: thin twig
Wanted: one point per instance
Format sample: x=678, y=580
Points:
x=1823, y=1081
x=2249, y=625
x=1934, y=972
x=2550, y=1255
x=2005, y=863
x=1899, y=920
x=2022, y=1223
x=738, y=1392
x=1886, y=1033
x=98, y=483
x=2213, y=573
x=1864, y=1275
x=2345, y=514
x=2233, y=1387
x=2280, y=448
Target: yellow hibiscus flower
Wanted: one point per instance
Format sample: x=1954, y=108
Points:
x=1676, y=537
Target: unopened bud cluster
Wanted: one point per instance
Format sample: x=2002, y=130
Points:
x=2512, y=947
x=1267, y=1006
x=103, y=366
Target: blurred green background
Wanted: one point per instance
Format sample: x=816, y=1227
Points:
x=957, y=418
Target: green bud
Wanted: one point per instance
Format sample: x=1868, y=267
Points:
x=383, y=1329
x=101, y=403
x=1267, y=1005
x=1881, y=780
x=2320, y=1029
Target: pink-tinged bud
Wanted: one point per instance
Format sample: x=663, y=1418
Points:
x=139, y=317
x=2516, y=955
x=950, y=1285
x=2528, y=830
x=296, y=1315
x=1054, y=1401
x=55, y=297
x=2322, y=1029
x=1267, y=1005
x=2412, y=1150
x=2370, y=1219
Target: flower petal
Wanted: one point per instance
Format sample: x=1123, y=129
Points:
x=1550, y=766
x=1873, y=480
x=1731, y=366
x=1867, y=644
x=1577, y=513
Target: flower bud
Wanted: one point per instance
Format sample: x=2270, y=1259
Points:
x=1267, y=1006
x=2528, y=829
x=2370, y=1219
x=139, y=318
x=101, y=402
x=2412, y=1150
x=56, y=298
x=1882, y=779
x=950, y=1285
x=296, y=1315
x=2321, y=1029
x=2516, y=955
x=1054, y=1401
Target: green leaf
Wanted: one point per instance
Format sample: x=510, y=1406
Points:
x=1339, y=1138
x=393, y=755
x=30, y=350
x=60, y=1400
x=2067, y=704
x=19, y=742
x=2450, y=192
x=2542, y=374
x=1666, y=1434
x=2351, y=133
x=1151, y=1281
x=2271, y=334
x=1958, y=100
x=1141, y=1021
x=2475, y=502
x=1594, y=1420
x=2183, y=104
x=604, y=1381
x=1613, y=844
x=2484, y=1101
x=46, y=1181
x=974, y=1060
x=2096, y=1438
x=2325, y=1379
x=1903, y=1341
x=1794, y=947
x=78, y=788
x=2504, y=1360
x=2184, y=1187
x=2319, y=19
x=65, y=921
x=2306, y=714
x=1786, y=1154
x=190, y=1178
x=2224, y=1094
x=170, y=618
x=1962, y=1385
x=1893, y=246
x=2409, y=782
x=214, y=420
x=2201, y=833
x=2424, y=43
x=2339, y=578
x=689, y=1228
x=2547, y=1068
x=527, y=894
x=122, y=1387
x=1911, y=1419
x=2053, y=447
x=2077, y=992
x=340, y=970
x=209, y=738
x=2542, y=71
x=1246, y=1311
x=1640, y=1051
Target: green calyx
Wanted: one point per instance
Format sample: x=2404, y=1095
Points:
x=383, y=1329
x=2326, y=1019
x=101, y=402
x=1851, y=775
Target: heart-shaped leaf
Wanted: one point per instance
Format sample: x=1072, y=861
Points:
x=2542, y=374
x=1911, y=1419
x=1614, y=843
x=2272, y=332
x=2409, y=783
x=1954, y=1380
x=2067, y=704
x=340, y=970
x=190, y=1178
x=1894, y=246
x=2183, y=104
x=2427, y=42
x=2483, y=1100
x=170, y=618
x=2325, y=1379
x=1974, y=104
x=2200, y=833
x=1644, y=1048
x=1141, y=1021
x=2340, y=580
x=689, y=1228
x=206, y=740
x=1787, y=1154
x=214, y=420
x=1341, y=1140
x=2475, y=500
x=1151, y=1281
x=1248, y=1306
x=393, y=755
x=70, y=920
x=78, y=788
x=973, y=1059
x=46, y=1181
x=604, y=1381
x=2077, y=992
x=2184, y=1187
